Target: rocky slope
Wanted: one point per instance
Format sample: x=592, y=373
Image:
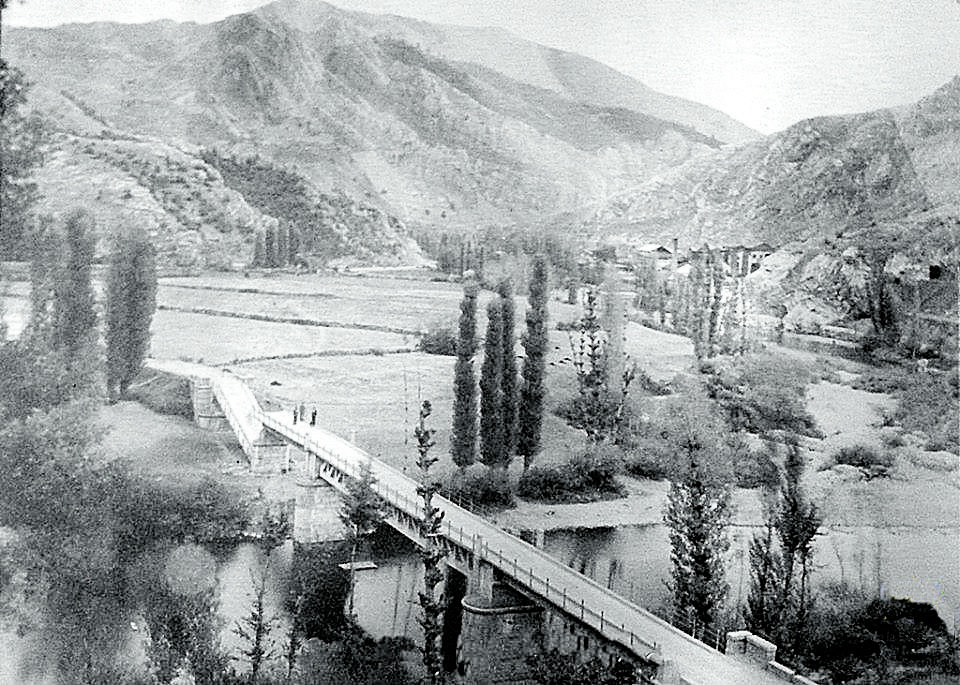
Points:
x=807, y=183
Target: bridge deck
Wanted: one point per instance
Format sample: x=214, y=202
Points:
x=617, y=619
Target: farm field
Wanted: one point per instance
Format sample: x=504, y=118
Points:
x=223, y=340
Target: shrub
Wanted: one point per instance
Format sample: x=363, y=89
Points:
x=648, y=458
x=439, y=340
x=651, y=385
x=928, y=403
x=587, y=477
x=163, y=393
x=755, y=468
x=862, y=456
x=761, y=393
x=489, y=487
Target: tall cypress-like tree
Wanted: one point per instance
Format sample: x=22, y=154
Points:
x=510, y=396
x=259, y=248
x=533, y=388
x=698, y=508
x=131, y=303
x=270, y=247
x=431, y=552
x=491, y=396
x=463, y=443
x=283, y=245
x=797, y=525
x=74, y=316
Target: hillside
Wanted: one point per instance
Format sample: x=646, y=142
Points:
x=446, y=134
x=807, y=183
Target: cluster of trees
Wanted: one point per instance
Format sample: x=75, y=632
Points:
x=510, y=404
x=275, y=246
x=20, y=153
x=458, y=253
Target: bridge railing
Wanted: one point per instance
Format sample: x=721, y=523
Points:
x=236, y=421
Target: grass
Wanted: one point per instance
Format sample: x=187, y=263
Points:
x=168, y=447
x=221, y=340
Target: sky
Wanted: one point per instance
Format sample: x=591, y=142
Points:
x=768, y=63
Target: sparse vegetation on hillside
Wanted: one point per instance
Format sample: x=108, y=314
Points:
x=327, y=224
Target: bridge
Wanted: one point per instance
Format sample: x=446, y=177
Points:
x=490, y=556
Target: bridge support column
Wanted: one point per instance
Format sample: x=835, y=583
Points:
x=316, y=513
x=206, y=411
x=498, y=634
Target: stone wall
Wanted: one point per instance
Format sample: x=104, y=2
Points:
x=745, y=646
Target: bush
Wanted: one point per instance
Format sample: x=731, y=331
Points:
x=762, y=393
x=163, y=393
x=648, y=458
x=489, y=487
x=863, y=457
x=439, y=340
x=755, y=468
x=587, y=477
x=650, y=385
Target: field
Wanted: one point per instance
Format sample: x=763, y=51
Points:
x=372, y=399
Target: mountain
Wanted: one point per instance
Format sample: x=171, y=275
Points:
x=807, y=183
x=568, y=74
x=430, y=126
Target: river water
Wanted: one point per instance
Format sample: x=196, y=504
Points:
x=634, y=561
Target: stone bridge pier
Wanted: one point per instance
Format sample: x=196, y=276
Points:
x=498, y=629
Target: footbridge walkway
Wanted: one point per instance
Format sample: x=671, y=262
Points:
x=529, y=568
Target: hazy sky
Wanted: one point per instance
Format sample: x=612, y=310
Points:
x=768, y=63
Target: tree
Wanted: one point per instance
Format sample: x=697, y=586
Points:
x=270, y=247
x=509, y=404
x=260, y=248
x=20, y=153
x=797, y=524
x=430, y=552
x=74, y=316
x=283, y=245
x=763, y=610
x=463, y=442
x=131, y=302
x=533, y=389
x=361, y=513
x=492, y=445
x=254, y=629
x=598, y=407
x=698, y=508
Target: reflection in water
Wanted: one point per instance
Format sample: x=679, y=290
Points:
x=634, y=561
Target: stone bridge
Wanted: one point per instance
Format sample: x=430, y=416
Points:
x=508, y=598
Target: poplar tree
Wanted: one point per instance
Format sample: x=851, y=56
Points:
x=491, y=396
x=463, y=442
x=131, y=302
x=259, y=249
x=270, y=247
x=509, y=390
x=430, y=552
x=283, y=245
x=533, y=390
x=361, y=513
x=74, y=316
x=797, y=525
x=698, y=509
